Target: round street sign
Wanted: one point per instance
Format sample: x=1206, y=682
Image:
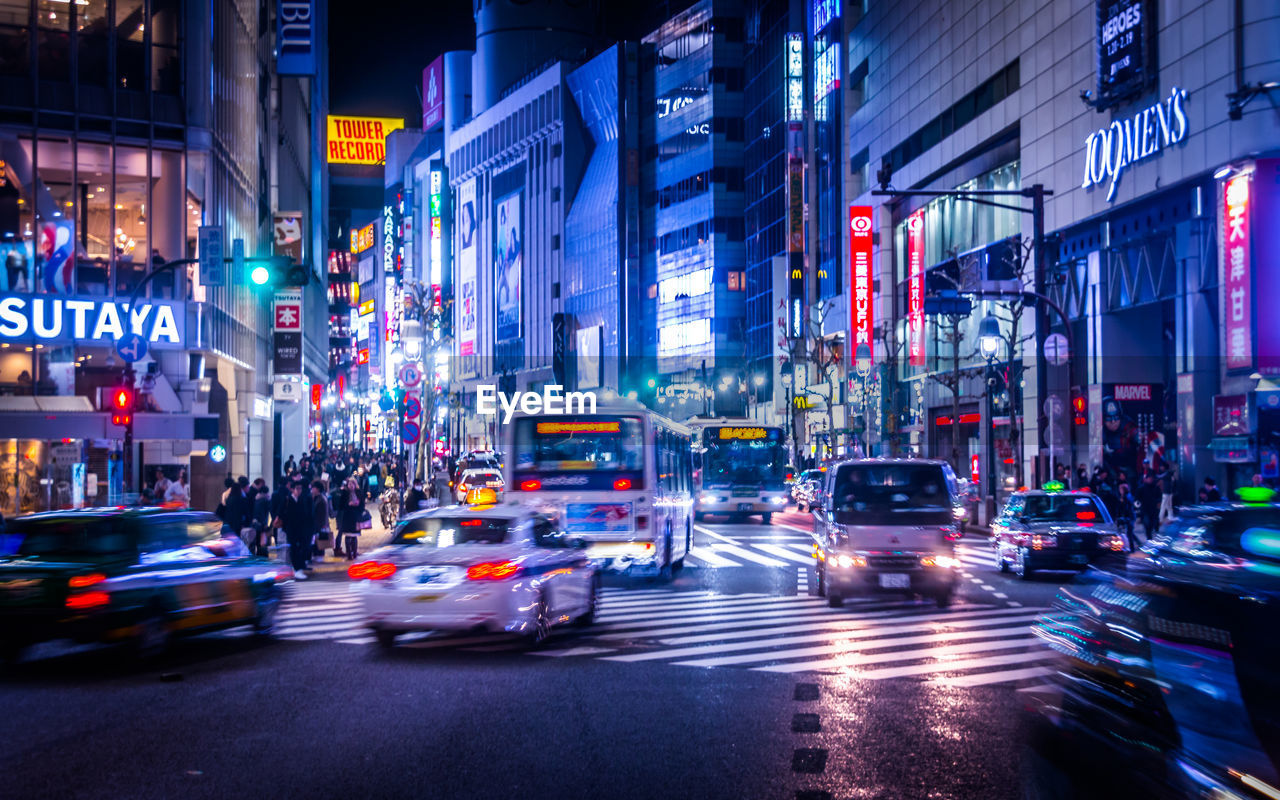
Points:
x=1053, y=406
x=410, y=375
x=410, y=432
x=131, y=347
x=412, y=407
x=1055, y=349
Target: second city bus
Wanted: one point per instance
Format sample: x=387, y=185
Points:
x=742, y=469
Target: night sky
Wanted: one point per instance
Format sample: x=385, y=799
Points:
x=377, y=48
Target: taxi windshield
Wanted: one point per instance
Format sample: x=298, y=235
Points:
x=448, y=531
x=890, y=488
x=1063, y=508
x=65, y=537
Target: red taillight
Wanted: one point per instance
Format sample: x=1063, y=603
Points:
x=622, y=484
x=530, y=486
x=371, y=570
x=790, y=475
x=80, y=602
x=493, y=571
x=81, y=581
x=1086, y=514
x=951, y=534
x=470, y=523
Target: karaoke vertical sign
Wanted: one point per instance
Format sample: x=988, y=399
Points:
x=861, y=308
x=915, y=288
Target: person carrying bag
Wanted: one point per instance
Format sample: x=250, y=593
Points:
x=351, y=514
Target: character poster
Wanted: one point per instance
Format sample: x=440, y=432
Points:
x=1133, y=429
x=508, y=266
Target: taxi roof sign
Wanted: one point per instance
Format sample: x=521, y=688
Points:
x=483, y=496
x=1053, y=486
x=1255, y=494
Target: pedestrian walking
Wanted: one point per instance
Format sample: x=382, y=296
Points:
x=350, y=511
x=320, y=516
x=1209, y=492
x=298, y=522
x=1124, y=514
x=1149, y=497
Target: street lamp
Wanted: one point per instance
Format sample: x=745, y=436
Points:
x=989, y=339
x=862, y=366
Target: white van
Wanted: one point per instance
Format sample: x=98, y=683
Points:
x=887, y=525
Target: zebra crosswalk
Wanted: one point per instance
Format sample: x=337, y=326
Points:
x=967, y=645
x=721, y=552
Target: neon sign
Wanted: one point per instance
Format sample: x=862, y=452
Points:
x=915, y=288
x=1236, y=273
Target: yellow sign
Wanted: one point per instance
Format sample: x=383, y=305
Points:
x=362, y=238
x=367, y=307
x=743, y=433
x=360, y=140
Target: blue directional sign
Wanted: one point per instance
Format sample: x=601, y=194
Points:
x=410, y=433
x=131, y=347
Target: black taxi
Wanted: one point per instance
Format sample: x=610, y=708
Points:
x=1055, y=529
x=132, y=575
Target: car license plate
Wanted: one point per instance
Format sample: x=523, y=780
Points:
x=1080, y=559
x=744, y=506
x=893, y=581
x=426, y=598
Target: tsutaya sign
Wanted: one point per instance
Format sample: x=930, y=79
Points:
x=1109, y=150
x=25, y=318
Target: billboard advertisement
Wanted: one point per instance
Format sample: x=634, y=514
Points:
x=467, y=269
x=359, y=140
x=508, y=265
x=589, y=341
x=915, y=287
x=288, y=234
x=433, y=94
x=861, y=310
x=295, y=37
x=1133, y=429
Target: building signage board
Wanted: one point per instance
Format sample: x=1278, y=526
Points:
x=794, y=65
x=824, y=11
x=508, y=266
x=90, y=320
x=287, y=352
x=795, y=241
x=364, y=238
x=359, y=140
x=826, y=73
x=433, y=94
x=1264, y=238
x=296, y=37
x=589, y=344
x=1107, y=151
x=287, y=239
x=1231, y=415
x=466, y=227
x=1132, y=426
x=1237, y=268
x=861, y=307
x=391, y=242
x=915, y=288
x=1125, y=37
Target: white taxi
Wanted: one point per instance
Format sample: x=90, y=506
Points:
x=500, y=568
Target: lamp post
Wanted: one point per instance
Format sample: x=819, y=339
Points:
x=862, y=366
x=788, y=377
x=989, y=340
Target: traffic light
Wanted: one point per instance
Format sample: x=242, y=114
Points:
x=122, y=406
x=277, y=272
x=1079, y=408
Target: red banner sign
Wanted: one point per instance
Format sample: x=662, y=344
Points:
x=1236, y=278
x=915, y=288
x=861, y=309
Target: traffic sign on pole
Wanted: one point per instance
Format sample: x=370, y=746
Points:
x=412, y=406
x=212, y=272
x=410, y=432
x=410, y=375
x=131, y=347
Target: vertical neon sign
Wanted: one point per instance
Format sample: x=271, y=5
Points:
x=861, y=310
x=1236, y=275
x=915, y=288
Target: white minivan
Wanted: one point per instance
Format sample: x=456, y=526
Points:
x=887, y=525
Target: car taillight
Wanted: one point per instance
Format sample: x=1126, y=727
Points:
x=371, y=570
x=530, y=486
x=81, y=581
x=951, y=534
x=86, y=600
x=493, y=570
x=622, y=484
x=1113, y=542
x=1039, y=541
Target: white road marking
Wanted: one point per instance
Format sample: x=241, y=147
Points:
x=1001, y=676
x=914, y=669
x=855, y=657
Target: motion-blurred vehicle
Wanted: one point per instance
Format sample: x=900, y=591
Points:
x=1054, y=529
x=887, y=525
x=479, y=478
x=806, y=487
x=500, y=568
x=1165, y=685
x=741, y=469
x=136, y=576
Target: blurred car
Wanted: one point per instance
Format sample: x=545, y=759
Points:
x=887, y=525
x=493, y=567
x=1166, y=683
x=130, y=575
x=479, y=478
x=806, y=486
x=1054, y=529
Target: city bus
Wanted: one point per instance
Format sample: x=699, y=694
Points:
x=742, y=469
x=621, y=479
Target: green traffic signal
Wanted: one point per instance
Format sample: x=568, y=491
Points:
x=260, y=275
x=653, y=383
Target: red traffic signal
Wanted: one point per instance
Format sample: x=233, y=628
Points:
x=122, y=406
x=1079, y=409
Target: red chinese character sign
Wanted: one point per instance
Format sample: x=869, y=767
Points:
x=1237, y=316
x=915, y=288
x=861, y=309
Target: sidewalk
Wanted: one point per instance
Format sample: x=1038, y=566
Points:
x=370, y=539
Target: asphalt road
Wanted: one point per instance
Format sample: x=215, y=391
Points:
x=732, y=681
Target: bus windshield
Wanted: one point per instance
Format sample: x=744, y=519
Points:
x=579, y=444
x=743, y=455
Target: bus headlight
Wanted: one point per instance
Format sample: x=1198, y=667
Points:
x=706, y=498
x=778, y=501
x=849, y=561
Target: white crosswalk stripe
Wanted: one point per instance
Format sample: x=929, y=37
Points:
x=876, y=638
